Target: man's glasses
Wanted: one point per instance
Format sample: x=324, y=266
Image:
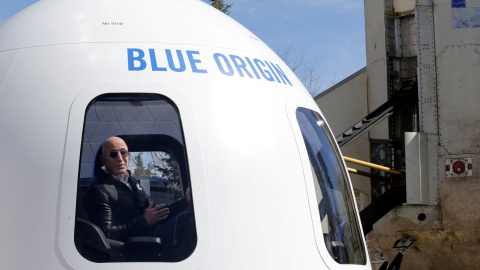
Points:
x=114, y=153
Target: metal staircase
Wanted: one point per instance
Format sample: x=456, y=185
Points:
x=371, y=120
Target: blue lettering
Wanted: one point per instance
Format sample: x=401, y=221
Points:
x=263, y=71
x=240, y=65
x=227, y=65
x=281, y=74
x=253, y=68
x=273, y=72
x=193, y=62
x=217, y=57
x=139, y=58
x=153, y=59
x=171, y=64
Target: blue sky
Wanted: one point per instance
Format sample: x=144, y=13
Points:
x=328, y=35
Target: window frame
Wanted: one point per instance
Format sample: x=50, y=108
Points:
x=335, y=191
x=292, y=104
x=71, y=164
x=149, y=141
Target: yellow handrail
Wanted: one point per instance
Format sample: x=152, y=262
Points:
x=362, y=173
x=373, y=166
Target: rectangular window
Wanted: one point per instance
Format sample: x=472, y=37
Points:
x=134, y=201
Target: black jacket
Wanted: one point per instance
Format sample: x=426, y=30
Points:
x=117, y=210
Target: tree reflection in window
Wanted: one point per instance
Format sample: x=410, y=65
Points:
x=158, y=167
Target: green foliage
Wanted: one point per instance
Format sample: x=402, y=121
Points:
x=218, y=4
x=170, y=170
x=160, y=164
x=140, y=170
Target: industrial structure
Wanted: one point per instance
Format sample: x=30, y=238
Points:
x=415, y=109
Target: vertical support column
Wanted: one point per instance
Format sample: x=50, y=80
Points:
x=427, y=91
x=427, y=79
x=417, y=173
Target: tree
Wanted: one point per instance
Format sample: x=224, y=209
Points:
x=140, y=169
x=160, y=164
x=218, y=4
x=169, y=169
x=305, y=70
x=310, y=79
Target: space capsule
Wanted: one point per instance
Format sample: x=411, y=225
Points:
x=202, y=104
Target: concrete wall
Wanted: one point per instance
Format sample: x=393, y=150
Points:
x=376, y=50
x=343, y=105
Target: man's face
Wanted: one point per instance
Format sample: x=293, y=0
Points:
x=115, y=165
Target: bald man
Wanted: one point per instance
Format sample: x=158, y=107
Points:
x=118, y=204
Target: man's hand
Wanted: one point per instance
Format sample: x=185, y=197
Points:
x=153, y=215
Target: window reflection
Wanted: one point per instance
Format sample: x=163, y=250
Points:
x=333, y=193
x=159, y=174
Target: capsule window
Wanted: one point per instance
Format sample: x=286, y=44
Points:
x=134, y=202
x=339, y=222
